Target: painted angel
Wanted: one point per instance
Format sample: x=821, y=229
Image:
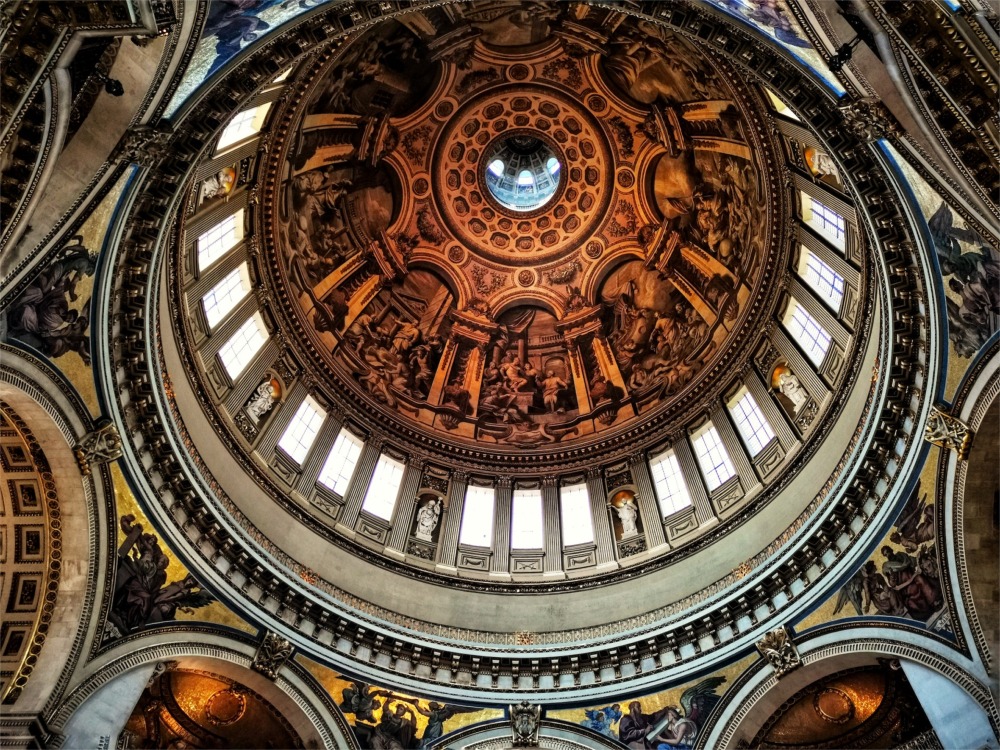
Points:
x=677, y=731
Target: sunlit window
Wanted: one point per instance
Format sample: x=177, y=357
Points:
x=712, y=457
x=751, y=423
x=477, y=517
x=238, y=352
x=496, y=167
x=577, y=525
x=827, y=283
x=525, y=178
x=527, y=526
x=219, y=240
x=225, y=295
x=826, y=222
x=779, y=106
x=380, y=499
x=552, y=165
x=340, y=464
x=302, y=430
x=243, y=125
x=806, y=332
x=671, y=489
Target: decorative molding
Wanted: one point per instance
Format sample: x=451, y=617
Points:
x=948, y=432
x=272, y=653
x=101, y=446
x=779, y=649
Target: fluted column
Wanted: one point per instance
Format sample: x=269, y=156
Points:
x=448, y=548
x=504, y=494
x=553, y=561
x=320, y=451
x=252, y=377
x=356, y=490
x=277, y=426
x=649, y=508
x=604, y=533
x=736, y=449
x=402, y=514
x=703, y=509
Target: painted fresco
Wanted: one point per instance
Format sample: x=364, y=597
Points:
x=53, y=314
x=970, y=274
x=903, y=577
x=230, y=26
x=522, y=330
x=662, y=721
x=151, y=585
x=775, y=20
x=382, y=718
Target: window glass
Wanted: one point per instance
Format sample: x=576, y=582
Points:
x=821, y=278
x=712, y=457
x=527, y=525
x=577, y=525
x=806, y=332
x=826, y=222
x=225, y=295
x=237, y=353
x=243, y=125
x=671, y=489
x=751, y=423
x=380, y=499
x=219, y=240
x=477, y=517
x=340, y=464
x=302, y=430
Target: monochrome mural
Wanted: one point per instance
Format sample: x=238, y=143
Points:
x=468, y=311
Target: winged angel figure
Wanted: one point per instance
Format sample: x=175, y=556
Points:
x=678, y=732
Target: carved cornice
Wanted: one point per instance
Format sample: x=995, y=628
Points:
x=777, y=569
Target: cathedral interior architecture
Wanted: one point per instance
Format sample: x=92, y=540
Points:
x=487, y=374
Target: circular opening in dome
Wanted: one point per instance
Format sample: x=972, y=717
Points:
x=522, y=172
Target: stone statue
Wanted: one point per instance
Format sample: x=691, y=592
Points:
x=427, y=519
x=263, y=400
x=790, y=387
x=627, y=514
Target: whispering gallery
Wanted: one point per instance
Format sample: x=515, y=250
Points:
x=492, y=374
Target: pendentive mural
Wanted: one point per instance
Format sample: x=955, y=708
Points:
x=525, y=246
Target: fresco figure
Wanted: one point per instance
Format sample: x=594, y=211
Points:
x=142, y=596
x=678, y=731
x=601, y=719
x=41, y=317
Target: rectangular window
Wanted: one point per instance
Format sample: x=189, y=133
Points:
x=219, y=240
x=477, y=517
x=302, y=430
x=237, y=353
x=779, y=106
x=380, y=499
x=751, y=423
x=339, y=466
x=806, y=332
x=827, y=283
x=671, y=489
x=577, y=525
x=527, y=525
x=225, y=295
x=243, y=125
x=826, y=222
x=712, y=458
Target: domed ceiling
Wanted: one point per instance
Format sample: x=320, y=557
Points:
x=506, y=240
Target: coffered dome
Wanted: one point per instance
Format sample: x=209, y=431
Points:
x=467, y=309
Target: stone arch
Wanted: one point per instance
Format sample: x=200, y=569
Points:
x=975, y=397
x=114, y=682
x=759, y=692
x=57, y=420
